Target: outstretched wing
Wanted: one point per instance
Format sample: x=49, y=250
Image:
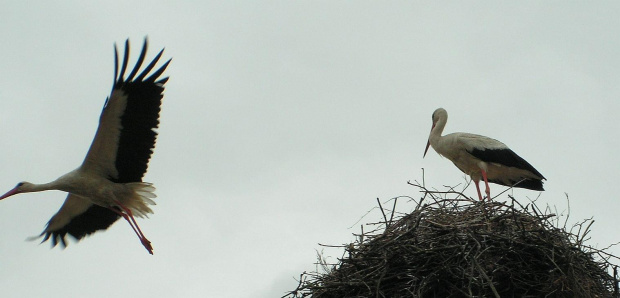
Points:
x=77, y=217
x=122, y=146
x=126, y=135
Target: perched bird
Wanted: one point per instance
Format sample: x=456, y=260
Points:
x=109, y=184
x=483, y=158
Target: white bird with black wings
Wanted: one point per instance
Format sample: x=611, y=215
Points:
x=482, y=158
x=109, y=184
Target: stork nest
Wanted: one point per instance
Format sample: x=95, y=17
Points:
x=463, y=248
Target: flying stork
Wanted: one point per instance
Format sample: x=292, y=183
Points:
x=108, y=185
x=483, y=158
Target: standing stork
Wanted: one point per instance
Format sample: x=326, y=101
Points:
x=483, y=158
x=108, y=185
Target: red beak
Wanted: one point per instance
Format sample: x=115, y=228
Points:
x=429, y=141
x=9, y=193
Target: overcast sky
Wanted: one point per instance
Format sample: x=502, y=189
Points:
x=283, y=121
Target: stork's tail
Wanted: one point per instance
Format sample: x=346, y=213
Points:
x=143, y=192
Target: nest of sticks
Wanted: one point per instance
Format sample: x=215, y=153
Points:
x=458, y=247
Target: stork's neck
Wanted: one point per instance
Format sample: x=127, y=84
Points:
x=31, y=187
x=63, y=183
x=436, y=132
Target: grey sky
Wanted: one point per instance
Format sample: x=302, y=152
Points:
x=283, y=121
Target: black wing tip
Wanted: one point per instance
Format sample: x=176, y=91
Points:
x=119, y=73
x=506, y=157
x=533, y=184
x=56, y=238
x=162, y=81
x=158, y=73
x=527, y=183
x=94, y=219
x=139, y=62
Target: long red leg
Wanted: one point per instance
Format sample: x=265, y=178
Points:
x=128, y=216
x=478, y=189
x=486, y=183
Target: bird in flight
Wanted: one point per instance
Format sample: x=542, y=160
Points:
x=108, y=184
x=482, y=158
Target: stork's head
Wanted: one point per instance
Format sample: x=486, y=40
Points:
x=19, y=188
x=440, y=113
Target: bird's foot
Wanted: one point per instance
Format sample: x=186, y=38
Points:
x=147, y=245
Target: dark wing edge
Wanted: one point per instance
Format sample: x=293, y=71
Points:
x=505, y=157
x=93, y=219
x=141, y=116
x=533, y=184
x=509, y=158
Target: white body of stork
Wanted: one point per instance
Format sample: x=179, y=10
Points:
x=482, y=158
x=109, y=184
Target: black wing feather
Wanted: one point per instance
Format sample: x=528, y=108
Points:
x=125, y=60
x=139, y=122
x=149, y=67
x=504, y=157
x=95, y=218
x=509, y=158
x=139, y=62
